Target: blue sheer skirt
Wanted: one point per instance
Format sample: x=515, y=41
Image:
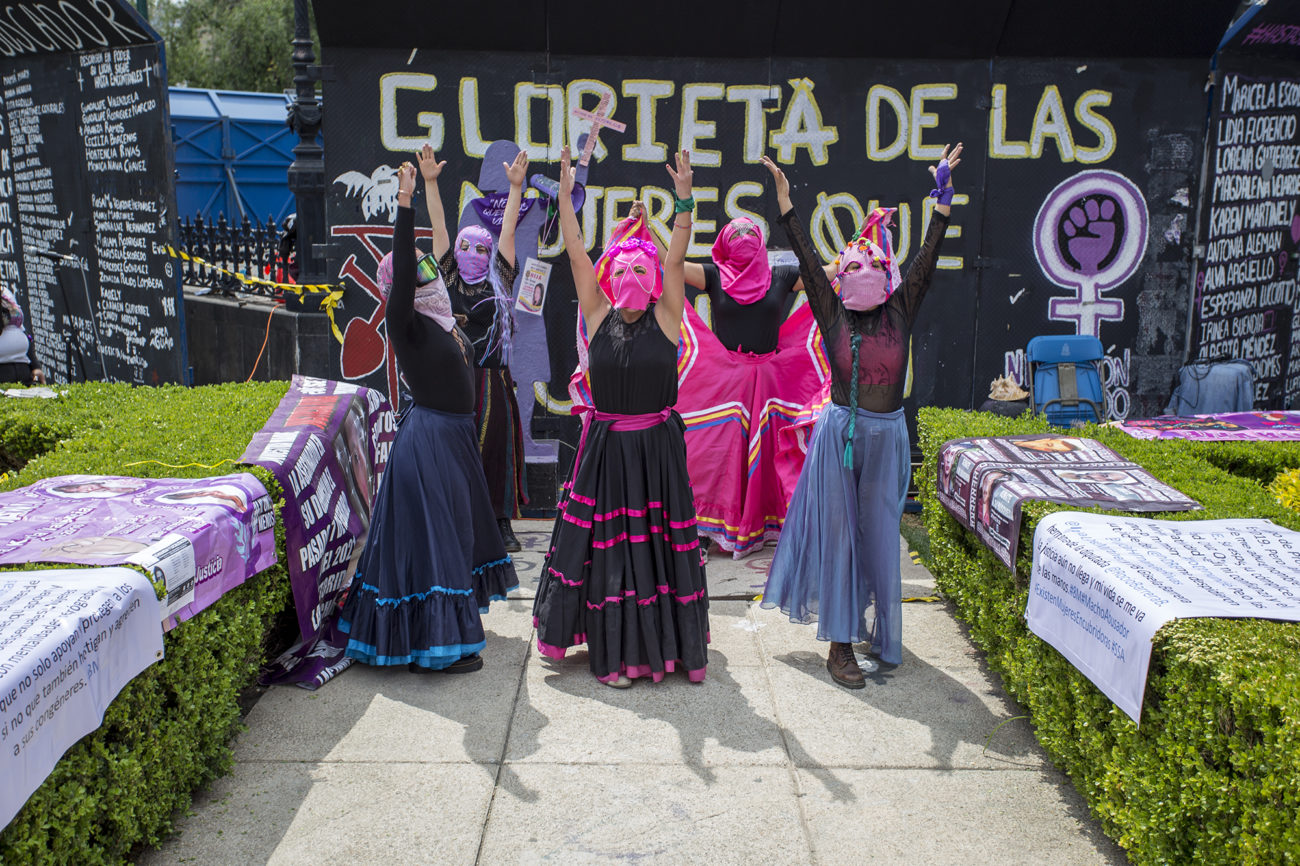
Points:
x=838, y=556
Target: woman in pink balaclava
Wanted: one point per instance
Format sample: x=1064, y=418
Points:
x=624, y=573
x=480, y=281
x=838, y=552
x=753, y=370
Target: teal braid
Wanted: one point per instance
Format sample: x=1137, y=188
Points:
x=853, y=399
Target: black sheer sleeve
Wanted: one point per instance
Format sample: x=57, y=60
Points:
x=821, y=294
x=916, y=282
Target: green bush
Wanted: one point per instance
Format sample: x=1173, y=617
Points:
x=1213, y=773
x=169, y=729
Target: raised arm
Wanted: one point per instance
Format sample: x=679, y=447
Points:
x=672, y=302
x=590, y=300
x=815, y=277
x=401, y=297
x=516, y=172
x=920, y=270
x=430, y=168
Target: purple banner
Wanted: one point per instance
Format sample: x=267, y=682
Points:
x=491, y=209
x=982, y=483
x=327, y=444
x=1242, y=426
x=201, y=537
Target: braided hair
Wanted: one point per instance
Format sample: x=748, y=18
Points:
x=856, y=343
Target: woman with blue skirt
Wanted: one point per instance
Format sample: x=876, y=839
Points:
x=837, y=557
x=423, y=580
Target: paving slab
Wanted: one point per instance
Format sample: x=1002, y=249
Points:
x=303, y=813
x=389, y=714
x=564, y=715
x=647, y=814
x=938, y=817
x=915, y=715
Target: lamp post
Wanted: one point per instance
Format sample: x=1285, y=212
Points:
x=307, y=173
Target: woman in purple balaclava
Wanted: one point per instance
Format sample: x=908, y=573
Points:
x=838, y=552
x=480, y=282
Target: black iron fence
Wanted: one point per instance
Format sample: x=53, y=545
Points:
x=218, y=253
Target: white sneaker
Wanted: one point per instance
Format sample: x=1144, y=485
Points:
x=621, y=683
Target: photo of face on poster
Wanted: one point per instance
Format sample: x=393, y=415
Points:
x=1094, y=476
x=1004, y=502
x=987, y=485
x=1049, y=444
x=94, y=547
x=352, y=450
x=91, y=487
x=948, y=464
x=532, y=287
x=218, y=494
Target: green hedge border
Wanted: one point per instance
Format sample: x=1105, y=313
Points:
x=1213, y=773
x=169, y=730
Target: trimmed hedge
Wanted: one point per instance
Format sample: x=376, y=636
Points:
x=1213, y=773
x=169, y=730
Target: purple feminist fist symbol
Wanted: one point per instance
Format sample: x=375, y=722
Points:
x=598, y=120
x=1090, y=236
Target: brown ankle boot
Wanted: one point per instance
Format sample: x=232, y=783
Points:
x=843, y=667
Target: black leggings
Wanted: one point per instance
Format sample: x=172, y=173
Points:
x=20, y=373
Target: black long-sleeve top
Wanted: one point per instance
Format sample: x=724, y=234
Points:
x=756, y=327
x=886, y=330
x=437, y=364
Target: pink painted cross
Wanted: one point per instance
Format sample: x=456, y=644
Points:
x=598, y=119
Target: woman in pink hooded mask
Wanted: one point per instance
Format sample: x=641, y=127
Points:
x=838, y=552
x=624, y=573
x=753, y=371
x=433, y=557
x=480, y=281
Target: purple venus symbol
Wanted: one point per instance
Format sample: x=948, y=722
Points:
x=1090, y=236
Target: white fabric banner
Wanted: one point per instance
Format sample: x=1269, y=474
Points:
x=1103, y=586
x=70, y=639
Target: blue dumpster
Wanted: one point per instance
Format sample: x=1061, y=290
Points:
x=233, y=152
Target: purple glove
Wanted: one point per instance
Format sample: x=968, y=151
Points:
x=943, y=177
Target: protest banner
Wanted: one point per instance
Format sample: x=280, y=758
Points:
x=1102, y=586
x=201, y=537
x=1226, y=427
x=982, y=482
x=327, y=445
x=70, y=639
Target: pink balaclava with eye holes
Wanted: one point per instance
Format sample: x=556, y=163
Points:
x=866, y=269
x=632, y=278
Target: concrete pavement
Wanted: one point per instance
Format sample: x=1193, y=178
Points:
x=532, y=761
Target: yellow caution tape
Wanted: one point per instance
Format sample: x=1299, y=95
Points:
x=332, y=294
x=926, y=598
x=181, y=465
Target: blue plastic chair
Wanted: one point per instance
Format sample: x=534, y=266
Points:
x=1065, y=379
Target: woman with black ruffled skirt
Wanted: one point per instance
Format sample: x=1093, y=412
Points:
x=624, y=573
x=423, y=580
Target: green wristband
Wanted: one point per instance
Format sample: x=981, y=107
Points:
x=683, y=205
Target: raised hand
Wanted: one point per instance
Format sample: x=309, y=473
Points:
x=568, y=174
x=517, y=171
x=405, y=182
x=683, y=175
x=781, y=181
x=947, y=162
x=430, y=167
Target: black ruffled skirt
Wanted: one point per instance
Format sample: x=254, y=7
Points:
x=624, y=573
x=433, y=558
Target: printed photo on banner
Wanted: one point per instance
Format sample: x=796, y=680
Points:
x=983, y=482
x=532, y=286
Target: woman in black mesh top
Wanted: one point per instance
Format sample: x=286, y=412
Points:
x=838, y=551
